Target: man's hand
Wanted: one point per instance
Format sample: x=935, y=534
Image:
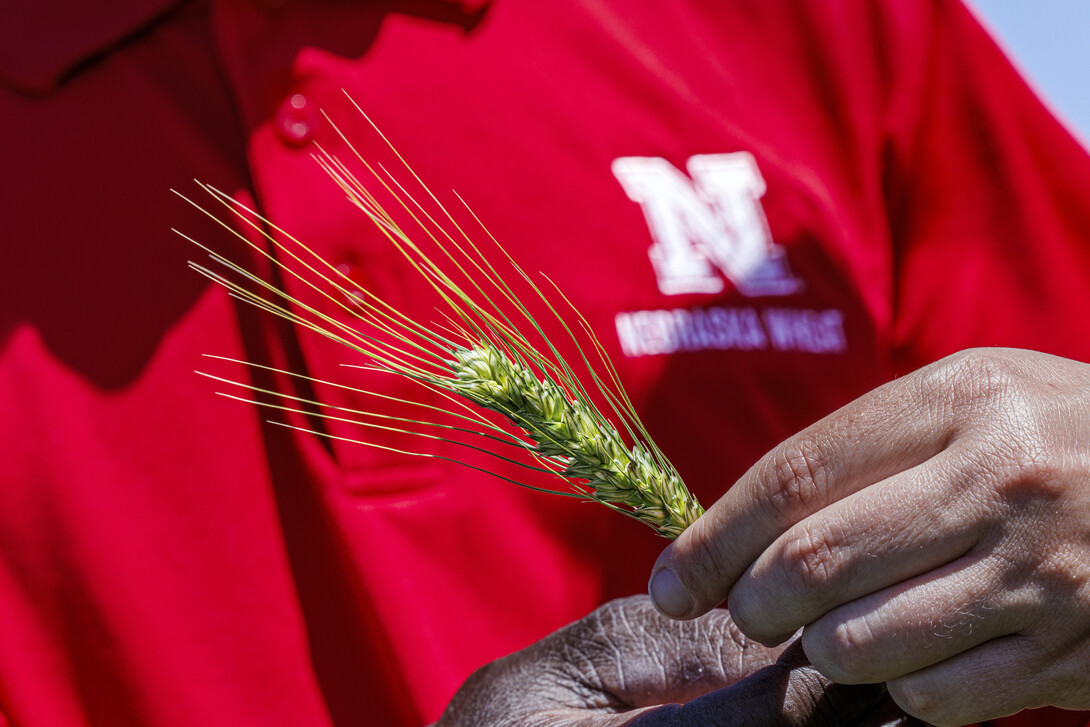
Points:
x=933, y=535
x=617, y=666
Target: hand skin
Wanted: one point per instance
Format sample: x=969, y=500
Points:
x=620, y=664
x=933, y=535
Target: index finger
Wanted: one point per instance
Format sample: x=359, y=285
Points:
x=893, y=428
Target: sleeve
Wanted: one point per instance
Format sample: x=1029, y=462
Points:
x=989, y=201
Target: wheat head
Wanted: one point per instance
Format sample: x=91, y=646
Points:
x=482, y=353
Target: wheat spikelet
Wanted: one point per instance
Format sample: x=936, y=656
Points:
x=479, y=355
x=578, y=439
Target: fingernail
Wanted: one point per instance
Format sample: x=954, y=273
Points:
x=668, y=595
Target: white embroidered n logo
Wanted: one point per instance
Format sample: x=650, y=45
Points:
x=713, y=222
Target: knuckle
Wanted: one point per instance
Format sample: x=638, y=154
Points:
x=593, y=638
x=972, y=379
x=992, y=381
x=803, y=575
x=1015, y=461
x=483, y=696
x=1060, y=579
x=1029, y=477
x=627, y=617
x=1011, y=445
x=841, y=650
x=796, y=479
x=811, y=560
x=619, y=610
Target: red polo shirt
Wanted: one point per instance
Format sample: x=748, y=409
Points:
x=764, y=209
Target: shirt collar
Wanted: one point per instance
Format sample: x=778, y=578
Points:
x=43, y=41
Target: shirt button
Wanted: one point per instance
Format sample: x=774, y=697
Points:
x=355, y=280
x=295, y=120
